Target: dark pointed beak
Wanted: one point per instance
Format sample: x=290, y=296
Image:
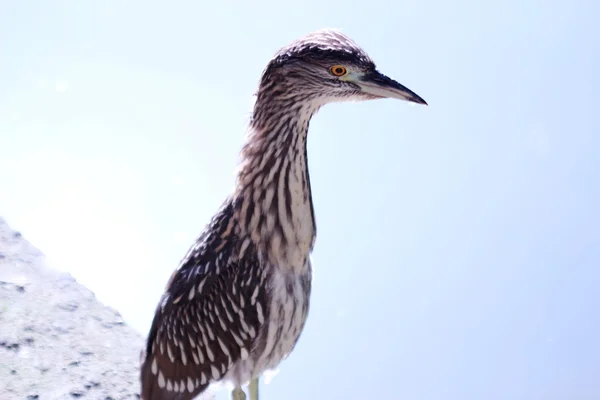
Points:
x=377, y=84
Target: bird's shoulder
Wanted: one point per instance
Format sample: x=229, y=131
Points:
x=212, y=256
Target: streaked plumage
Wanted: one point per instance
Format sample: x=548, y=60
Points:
x=239, y=299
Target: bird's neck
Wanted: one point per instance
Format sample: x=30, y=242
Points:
x=275, y=210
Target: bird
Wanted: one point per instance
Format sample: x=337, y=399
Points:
x=239, y=299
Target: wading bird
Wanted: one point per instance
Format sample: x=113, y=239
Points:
x=236, y=305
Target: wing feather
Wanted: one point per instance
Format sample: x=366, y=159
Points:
x=207, y=318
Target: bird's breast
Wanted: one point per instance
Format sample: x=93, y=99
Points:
x=289, y=302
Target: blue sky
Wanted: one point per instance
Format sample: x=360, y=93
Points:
x=458, y=246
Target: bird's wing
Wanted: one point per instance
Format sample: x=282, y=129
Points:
x=207, y=318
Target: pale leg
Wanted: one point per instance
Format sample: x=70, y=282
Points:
x=238, y=394
x=253, y=389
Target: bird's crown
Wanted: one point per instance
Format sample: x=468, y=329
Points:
x=323, y=44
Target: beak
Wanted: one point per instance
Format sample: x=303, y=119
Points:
x=379, y=85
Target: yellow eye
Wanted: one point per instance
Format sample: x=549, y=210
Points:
x=338, y=70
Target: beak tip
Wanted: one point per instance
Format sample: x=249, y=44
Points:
x=419, y=100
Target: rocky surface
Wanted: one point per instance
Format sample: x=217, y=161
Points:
x=57, y=341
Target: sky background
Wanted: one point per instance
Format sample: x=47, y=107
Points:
x=458, y=246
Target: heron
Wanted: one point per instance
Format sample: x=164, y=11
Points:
x=237, y=303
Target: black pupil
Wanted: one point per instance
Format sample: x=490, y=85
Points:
x=339, y=70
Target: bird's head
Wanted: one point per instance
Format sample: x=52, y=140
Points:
x=326, y=66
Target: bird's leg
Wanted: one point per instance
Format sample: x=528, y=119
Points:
x=238, y=394
x=253, y=389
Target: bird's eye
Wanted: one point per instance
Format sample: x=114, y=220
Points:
x=338, y=70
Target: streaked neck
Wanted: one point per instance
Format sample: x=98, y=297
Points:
x=273, y=193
